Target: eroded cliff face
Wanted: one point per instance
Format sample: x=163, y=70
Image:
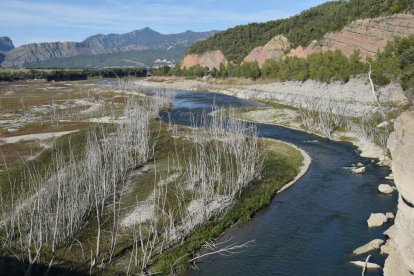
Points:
x=401, y=145
x=367, y=35
x=36, y=52
x=211, y=60
x=274, y=49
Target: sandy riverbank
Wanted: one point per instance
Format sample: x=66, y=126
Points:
x=307, y=160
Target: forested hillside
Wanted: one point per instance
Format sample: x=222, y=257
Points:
x=313, y=24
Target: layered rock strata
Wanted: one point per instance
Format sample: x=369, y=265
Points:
x=367, y=35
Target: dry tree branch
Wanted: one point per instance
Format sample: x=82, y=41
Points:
x=373, y=91
x=228, y=250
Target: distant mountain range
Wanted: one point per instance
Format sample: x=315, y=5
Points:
x=144, y=47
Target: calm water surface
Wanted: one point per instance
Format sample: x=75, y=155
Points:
x=311, y=228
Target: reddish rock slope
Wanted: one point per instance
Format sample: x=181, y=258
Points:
x=210, y=59
x=274, y=49
x=368, y=35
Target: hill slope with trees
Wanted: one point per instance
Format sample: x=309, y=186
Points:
x=302, y=29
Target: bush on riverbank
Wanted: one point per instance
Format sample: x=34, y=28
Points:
x=10, y=75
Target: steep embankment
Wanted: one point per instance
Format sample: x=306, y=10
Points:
x=401, y=258
x=352, y=98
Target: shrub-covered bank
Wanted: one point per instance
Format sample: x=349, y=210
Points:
x=9, y=75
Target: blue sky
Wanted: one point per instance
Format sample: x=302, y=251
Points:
x=26, y=21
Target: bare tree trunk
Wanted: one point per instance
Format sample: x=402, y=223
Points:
x=373, y=91
x=365, y=265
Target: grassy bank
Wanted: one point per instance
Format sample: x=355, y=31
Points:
x=282, y=164
x=166, y=184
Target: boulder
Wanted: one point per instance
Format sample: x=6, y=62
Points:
x=390, y=215
x=376, y=220
x=390, y=177
x=383, y=124
x=359, y=164
x=372, y=245
x=369, y=265
x=385, y=189
x=359, y=170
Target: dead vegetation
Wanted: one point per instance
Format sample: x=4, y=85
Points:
x=84, y=200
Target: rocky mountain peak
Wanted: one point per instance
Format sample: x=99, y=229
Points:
x=138, y=40
x=6, y=44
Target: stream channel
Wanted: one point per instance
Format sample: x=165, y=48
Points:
x=312, y=227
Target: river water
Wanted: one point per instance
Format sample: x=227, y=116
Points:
x=312, y=227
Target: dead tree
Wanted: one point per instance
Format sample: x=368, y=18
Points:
x=374, y=93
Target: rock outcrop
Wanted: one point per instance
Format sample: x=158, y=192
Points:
x=359, y=170
x=276, y=48
x=401, y=146
x=367, y=35
x=376, y=220
x=368, y=264
x=36, y=52
x=385, y=189
x=147, y=38
x=6, y=44
x=372, y=245
x=210, y=59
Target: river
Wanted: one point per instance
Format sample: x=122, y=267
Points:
x=312, y=227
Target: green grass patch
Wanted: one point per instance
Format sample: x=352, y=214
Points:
x=281, y=165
